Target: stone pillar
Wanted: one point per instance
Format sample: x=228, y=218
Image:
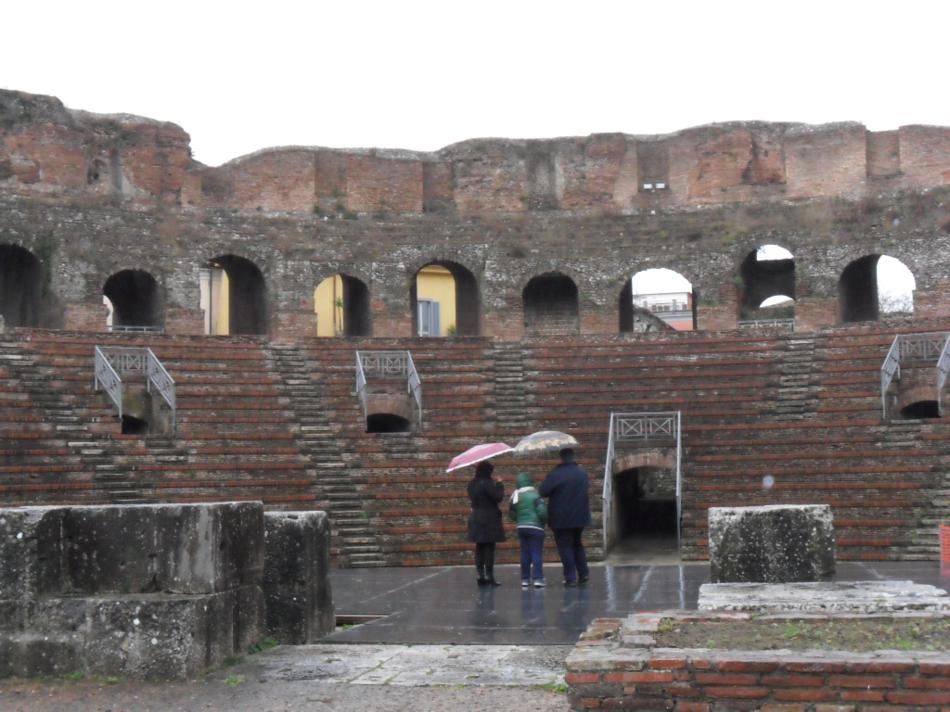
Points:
x=771, y=544
x=296, y=576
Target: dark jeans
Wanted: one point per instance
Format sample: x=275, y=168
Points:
x=532, y=544
x=571, y=550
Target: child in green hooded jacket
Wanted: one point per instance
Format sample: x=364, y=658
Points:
x=529, y=511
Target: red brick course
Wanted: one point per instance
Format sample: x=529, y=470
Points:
x=701, y=680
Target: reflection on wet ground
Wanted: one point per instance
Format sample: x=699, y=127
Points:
x=444, y=605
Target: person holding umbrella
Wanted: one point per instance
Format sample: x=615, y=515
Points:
x=568, y=514
x=484, y=523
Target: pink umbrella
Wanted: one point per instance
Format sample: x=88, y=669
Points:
x=475, y=454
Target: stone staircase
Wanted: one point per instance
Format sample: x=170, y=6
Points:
x=510, y=396
x=924, y=544
x=334, y=476
x=796, y=396
x=94, y=453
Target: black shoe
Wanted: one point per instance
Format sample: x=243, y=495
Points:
x=583, y=579
x=570, y=584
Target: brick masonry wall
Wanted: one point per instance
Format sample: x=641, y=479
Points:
x=614, y=666
x=48, y=149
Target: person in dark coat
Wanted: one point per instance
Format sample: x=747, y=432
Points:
x=568, y=514
x=484, y=523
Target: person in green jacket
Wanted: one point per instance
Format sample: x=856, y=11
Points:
x=529, y=511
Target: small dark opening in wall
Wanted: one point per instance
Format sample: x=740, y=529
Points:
x=387, y=423
x=134, y=426
x=921, y=409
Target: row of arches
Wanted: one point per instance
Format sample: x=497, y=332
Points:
x=444, y=296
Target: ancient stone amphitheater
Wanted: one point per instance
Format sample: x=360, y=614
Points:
x=203, y=378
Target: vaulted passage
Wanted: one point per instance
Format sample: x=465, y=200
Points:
x=341, y=303
x=873, y=285
x=387, y=423
x=767, y=284
x=233, y=297
x=135, y=298
x=445, y=301
x=21, y=287
x=645, y=511
x=550, y=305
x=662, y=293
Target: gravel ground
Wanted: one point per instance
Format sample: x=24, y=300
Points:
x=327, y=677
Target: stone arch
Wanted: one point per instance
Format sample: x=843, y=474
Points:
x=873, y=285
x=444, y=300
x=234, y=296
x=341, y=303
x=550, y=304
x=643, y=505
x=22, y=287
x=135, y=298
x=661, y=292
x=767, y=284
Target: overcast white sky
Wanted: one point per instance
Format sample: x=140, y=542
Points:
x=420, y=75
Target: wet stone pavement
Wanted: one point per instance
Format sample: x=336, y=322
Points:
x=441, y=643
x=444, y=605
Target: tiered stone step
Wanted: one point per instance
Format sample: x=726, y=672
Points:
x=354, y=540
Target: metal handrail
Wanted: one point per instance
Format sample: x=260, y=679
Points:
x=134, y=359
x=165, y=385
x=135, y=329
x=414, y=383
x=943, y=369
x=388, y=364
x=607, y=495
x=890, y=369
x=643, y=427
x=108, y=378
x=765, y=323
x=361, y=383
x=914, y=347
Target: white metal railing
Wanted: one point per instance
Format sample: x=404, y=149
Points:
x=110, y=361
x=135, y=329
x=659, y=428
x=161, y=379
x=107, y=377
x=915, y=347
x=943, y=369
x=890, y=369
x=414, y=383
x=361, y=383
x=766, y=323
x=388, y=364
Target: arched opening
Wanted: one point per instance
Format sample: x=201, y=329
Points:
x=233, y=296
x=341, y=303
x=644, y=507
x=445, y=301
x=134, y=426
x=666, y=294
x=873, y=285
x=21, y=287
x=921, y=409
x=767, y=284
x=134, y=298
x=550, y=305
x=387, y=423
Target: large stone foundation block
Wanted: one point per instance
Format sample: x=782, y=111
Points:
x=296, y=584
x=150, y=591
x=771, y=544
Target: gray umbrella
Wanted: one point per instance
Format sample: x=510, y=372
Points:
x=545, y=441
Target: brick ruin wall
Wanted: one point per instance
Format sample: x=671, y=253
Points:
x=91, y=195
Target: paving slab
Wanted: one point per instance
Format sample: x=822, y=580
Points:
x=444, y=604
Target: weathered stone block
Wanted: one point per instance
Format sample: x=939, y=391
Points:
x=771, y=544
x=186, y=549
x=296, y=584
x=150, y=591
